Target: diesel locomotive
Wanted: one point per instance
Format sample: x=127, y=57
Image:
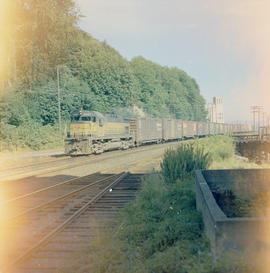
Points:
x=92, y=132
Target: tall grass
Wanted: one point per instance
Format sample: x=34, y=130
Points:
x=183, y=161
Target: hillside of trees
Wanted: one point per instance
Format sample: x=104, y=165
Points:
x=39, y=36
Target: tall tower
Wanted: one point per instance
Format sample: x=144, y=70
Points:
x=215, y=110
x=219, y=109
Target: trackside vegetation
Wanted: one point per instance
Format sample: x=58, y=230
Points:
x=161, y=231
x=181, y=162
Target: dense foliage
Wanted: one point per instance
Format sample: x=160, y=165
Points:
x=167, y=91
x=40, y=36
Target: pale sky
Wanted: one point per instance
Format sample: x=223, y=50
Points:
x=223, y=44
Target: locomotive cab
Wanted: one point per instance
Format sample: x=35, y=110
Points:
x=86, y=123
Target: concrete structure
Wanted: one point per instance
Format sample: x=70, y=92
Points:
x=215, y=110
x=245, y=233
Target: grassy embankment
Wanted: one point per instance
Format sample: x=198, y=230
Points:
x=30, y=138
x=161, y=231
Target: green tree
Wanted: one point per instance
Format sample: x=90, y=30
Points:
x=36, y=38
x=168, y=91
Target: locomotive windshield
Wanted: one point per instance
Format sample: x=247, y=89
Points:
x=84, y=118
x=87, y=118
x=75, y=118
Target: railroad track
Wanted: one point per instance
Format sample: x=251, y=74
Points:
x=26, y=171
x=53, y=231
x=43, y=197
x=46, y=167
x=34, y=212
x=32, y=162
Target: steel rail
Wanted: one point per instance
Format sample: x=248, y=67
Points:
x=45, y=204
x=35, y=164
x=44, y=189
x=42, y=241
x=52, y=169
x=79, y=162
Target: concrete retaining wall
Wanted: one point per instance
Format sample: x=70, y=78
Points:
x=225, y=233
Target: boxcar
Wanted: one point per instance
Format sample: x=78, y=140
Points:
x=202, y=129
x=246, y=127
x=237, y=128
x=217, y=132
x=189, y=129
x=178, y=128
x=212, y=128
x=171, y=129
x=226, y=128
x=168, y=129
x=221, y=128
x=146, y=130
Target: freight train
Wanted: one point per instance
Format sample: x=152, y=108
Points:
x=92, y=132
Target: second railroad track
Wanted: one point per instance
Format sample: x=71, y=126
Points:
x=43, y=233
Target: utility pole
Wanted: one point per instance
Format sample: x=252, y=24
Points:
x=259, y=117
x=253, y=111
x=59, y=102
x=256, y=109
x=264, y=119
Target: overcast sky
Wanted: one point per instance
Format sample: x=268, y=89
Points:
x=223, y=44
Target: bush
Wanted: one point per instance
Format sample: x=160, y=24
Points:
x=195, y=155
x=29, y=137
x=219, y=148
x=182, y=162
